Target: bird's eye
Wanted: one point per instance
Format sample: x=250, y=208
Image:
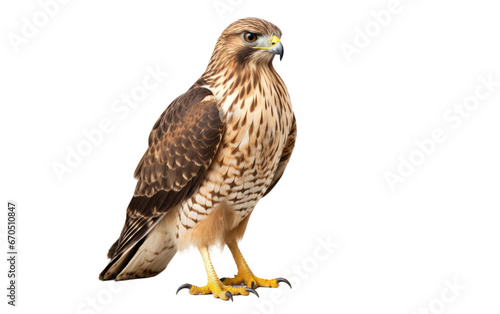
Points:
x=250, y=37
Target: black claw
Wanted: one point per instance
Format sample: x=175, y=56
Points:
x=253, y=284
x=222, y=279
x=252, y=290
x=229, y=295
x=281, y=279
x=186, y=285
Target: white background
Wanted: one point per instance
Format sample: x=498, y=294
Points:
x=397, y=249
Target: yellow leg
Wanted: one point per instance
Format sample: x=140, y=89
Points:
x=214, y=285
x=245, y=275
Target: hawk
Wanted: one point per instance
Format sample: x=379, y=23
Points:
x=213, y=154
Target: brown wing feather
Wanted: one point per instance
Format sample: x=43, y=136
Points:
x=182, y=144
x=285, y=156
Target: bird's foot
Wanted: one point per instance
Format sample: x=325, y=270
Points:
x=251, y=281
x=219, y=290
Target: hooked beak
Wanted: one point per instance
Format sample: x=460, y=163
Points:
x=276, y=47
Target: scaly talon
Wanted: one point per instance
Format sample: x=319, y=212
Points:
x=252, y=290
x=245, y=275
x=229, y=295
x=184, y=286
x=218, y=290
x=253, y=282
x=215, y=285
x=281, y=279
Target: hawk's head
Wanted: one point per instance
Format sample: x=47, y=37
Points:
x=250, y=40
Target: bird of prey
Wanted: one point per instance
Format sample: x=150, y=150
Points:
x=213, y=154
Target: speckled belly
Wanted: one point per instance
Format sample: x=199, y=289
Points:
x=239, y=175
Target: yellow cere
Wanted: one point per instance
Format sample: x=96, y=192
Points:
x=274, y=41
